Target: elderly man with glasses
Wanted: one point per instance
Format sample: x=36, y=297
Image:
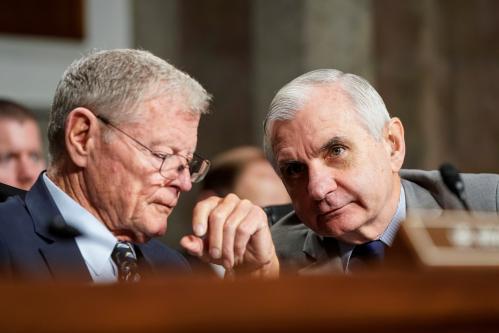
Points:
x=122, y=135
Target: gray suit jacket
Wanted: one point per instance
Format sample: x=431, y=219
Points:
x=301, y=250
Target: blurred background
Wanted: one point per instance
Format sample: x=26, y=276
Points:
x=435, y=63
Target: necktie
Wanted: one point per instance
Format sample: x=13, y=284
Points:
x=366, y=255
x=125, y=260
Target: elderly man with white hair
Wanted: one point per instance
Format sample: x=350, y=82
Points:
x=340, y=155
x=122, y=139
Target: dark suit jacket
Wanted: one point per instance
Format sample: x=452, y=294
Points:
x=8, y=191
x=28, y=249
x=301, y=250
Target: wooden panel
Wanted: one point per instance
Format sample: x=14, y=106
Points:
x=438, y=70
x=437, y=301
x=215, y=48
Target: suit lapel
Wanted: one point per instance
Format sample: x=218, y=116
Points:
x=65, y=261
x=322, y=262
x=62, y=256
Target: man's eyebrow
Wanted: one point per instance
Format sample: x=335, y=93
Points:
x=286, y=162
x=160, y=146
x=336, y=140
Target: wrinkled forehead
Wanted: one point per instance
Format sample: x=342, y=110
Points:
x=166, y=109
x=327, y=113
x=166, y=121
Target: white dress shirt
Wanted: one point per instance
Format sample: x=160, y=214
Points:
x=96, y=242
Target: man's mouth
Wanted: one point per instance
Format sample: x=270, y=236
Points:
x=331, y=212
x=167, y=207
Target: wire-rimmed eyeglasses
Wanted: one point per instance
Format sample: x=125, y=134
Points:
x=198, y=166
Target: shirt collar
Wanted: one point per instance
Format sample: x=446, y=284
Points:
x=389, y=234
x=386, y=237
x=96, y=242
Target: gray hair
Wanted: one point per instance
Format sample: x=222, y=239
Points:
x=292, y=97
x=113, y=84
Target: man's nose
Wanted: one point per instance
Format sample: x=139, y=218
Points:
x=183, y=175
x=321, y=180
x=185, y=183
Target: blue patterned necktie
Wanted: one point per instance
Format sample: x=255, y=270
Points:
x=366, y=255
x=126, y=262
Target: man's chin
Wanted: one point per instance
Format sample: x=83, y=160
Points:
x=156, y=227
x=158, y=230
x=146, y=237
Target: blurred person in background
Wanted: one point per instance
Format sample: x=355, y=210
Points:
x=21, y=152
x=245, y=172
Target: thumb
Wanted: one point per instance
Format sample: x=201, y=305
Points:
x=193, y=245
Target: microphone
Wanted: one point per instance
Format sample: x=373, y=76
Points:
x=452, y=179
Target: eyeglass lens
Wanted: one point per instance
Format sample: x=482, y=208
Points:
x=198, y=167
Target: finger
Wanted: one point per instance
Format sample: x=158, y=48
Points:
x=193, y=245
x=201, y=213
x=196, y=246
x=238, y=215
x=250, y=229
x=216, y=222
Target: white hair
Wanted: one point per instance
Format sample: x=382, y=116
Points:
x=113, y=83
x=292, y=97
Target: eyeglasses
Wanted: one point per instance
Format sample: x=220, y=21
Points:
x=198, y=166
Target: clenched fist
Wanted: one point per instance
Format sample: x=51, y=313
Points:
x=233, y=233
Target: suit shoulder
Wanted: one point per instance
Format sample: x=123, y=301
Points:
x=13, y=214
x=7, y=191
x=482, y=190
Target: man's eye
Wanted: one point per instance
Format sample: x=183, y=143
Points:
x=6, y=158
x=336, y=151
x=161, y=156
x=292, y=170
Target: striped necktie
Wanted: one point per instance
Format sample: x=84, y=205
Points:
x=126, y=262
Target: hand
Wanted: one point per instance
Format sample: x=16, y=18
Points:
x=234, y=233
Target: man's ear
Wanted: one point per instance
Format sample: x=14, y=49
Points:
x=80, y=134
x=395, y=143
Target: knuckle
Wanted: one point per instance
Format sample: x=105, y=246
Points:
x=244, y=229
x=213, y=199
x=259, y=214
x=231, y=197
x=246, y=203
x=216, y=216
x=229, y=228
